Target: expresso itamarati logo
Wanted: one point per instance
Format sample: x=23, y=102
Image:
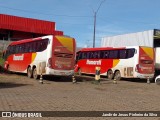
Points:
x=18, y=57
x=93, y=62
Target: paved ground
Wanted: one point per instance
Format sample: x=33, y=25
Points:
x=19, y=93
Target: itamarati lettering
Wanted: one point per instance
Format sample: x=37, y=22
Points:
x=93, y=62
x=18, y=57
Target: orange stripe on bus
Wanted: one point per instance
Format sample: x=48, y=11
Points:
x=148, y=51
x=33, y=56
x=115, y=62
x=66, y=42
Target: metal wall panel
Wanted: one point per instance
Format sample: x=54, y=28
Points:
x=26, y=24
x=145, y=38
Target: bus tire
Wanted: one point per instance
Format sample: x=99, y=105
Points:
x=157, y=81
x=117, y=75
x=79, y=72
x=29, y=72
x=35, y=75
x=109, y=74
x=8, y=69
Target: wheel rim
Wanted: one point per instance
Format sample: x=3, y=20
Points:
x=158, y=81
x=79, y=72
x=29, y=72
x=117, y=75
x=35, y=76
x=109, y=74
x=8, y=68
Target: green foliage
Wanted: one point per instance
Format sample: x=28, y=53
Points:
x=1, y=59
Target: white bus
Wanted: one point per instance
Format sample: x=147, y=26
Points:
x=127, y=62
x=48, y=55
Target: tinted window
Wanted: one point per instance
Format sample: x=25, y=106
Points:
x=113, y=54
x=36, y=46
x=110, y=54
x=104, y=54
x=130, y=53
x=79, y=56
x=84, y=55
x=122, y=54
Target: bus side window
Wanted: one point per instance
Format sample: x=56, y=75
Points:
x=13, y=49
x=22, y=48
x=8, y=51
x=30, y=47
x=122, y=54
x=33, y=46
x=113, y=54
x=38, y=47
x=84, y=55
x=96, y=55
x=91, y=55
x=42, y=45
x=26, y=47
x=105, y=54
x=79, y=56
x=18, y=49
x=130, y=53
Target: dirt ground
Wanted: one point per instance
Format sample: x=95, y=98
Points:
x=19, y=93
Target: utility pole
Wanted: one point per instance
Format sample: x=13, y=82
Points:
x=94, y=31
x=95, y=17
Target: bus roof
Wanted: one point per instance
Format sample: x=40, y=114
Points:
x=27, y=40
x=101, y=48
x=34, y=39
x=108, y=48
x=24, y=41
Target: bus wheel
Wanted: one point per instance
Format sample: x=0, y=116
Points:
x=117, y=75
x=109, y=74
x=29, y=72
x=158, y=81
x=79, y=72
x=35, y=75
x=8, y=69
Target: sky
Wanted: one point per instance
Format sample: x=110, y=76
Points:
x=76, y=17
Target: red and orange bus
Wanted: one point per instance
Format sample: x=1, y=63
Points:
x=47, y=55
x=127, y=62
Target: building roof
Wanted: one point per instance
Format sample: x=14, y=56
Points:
x=27, y=25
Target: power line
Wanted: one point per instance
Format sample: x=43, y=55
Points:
x=125, y=20
x=102, y=18
x=95, y=17
x=35, y=12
